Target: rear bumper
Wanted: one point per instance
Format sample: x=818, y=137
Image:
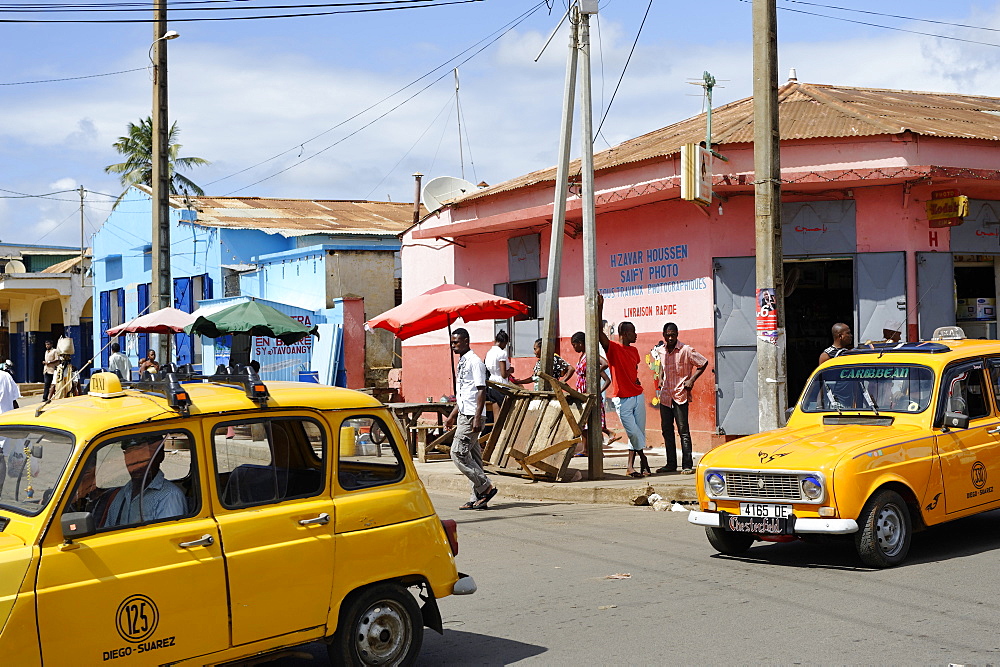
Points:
x=818, y=526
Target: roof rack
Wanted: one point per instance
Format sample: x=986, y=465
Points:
x=170, y=386
x=920, y=347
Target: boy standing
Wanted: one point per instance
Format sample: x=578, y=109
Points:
x=623, y=359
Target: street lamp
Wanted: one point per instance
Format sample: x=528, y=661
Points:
x=161, y=280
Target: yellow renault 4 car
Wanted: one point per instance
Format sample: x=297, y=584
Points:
x=885, y=440
x=211, y=520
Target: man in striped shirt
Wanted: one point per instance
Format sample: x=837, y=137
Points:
x=681, y=366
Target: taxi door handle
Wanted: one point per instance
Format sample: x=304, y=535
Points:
x=320, y=520
x=205, y=541
x=994, y=431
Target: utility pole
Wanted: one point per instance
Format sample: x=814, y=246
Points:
x=592, y=346
x=458, y=116
x=83, y=245
x=416, y=196
x=161, y=280
x=771, y=372
x=550, y=333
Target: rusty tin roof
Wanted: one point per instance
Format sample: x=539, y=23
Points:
x=806, y=111
x=300, y=217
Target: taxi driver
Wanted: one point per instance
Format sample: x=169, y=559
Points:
x=148, y=496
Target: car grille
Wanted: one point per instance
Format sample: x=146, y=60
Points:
x=763, y=485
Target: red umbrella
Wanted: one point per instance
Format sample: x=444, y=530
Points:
x=163, y=321
x=438, y=308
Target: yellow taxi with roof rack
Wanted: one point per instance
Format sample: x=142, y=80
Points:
x=886, y=439
x=203, y=520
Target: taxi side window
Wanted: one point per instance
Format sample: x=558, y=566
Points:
x=994, y=365
x=138, y=479
x=965, y=392
x=368, y=455
x=264, y=461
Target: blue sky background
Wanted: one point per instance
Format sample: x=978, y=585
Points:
x=246, y=91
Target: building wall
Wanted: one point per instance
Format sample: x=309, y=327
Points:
x=889, y=217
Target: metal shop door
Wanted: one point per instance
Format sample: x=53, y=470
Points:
x=735, y=345
x=880, y=288
x=935, y=292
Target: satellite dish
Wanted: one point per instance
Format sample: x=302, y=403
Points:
x=442, y=189
x=14, y=266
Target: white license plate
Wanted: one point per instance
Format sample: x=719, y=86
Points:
x=766, y=510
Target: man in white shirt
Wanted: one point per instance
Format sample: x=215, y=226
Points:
x=118, y=362
x=469, y=402
x=9, y=391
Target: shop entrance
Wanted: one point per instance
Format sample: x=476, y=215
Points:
x=976, y=295
x=818, y=294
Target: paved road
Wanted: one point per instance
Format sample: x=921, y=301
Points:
x=543, y=597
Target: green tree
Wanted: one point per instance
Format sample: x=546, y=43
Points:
x=137, y=147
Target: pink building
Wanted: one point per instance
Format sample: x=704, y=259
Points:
x=858, y=168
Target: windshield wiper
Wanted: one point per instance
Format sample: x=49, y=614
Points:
x=868, y=397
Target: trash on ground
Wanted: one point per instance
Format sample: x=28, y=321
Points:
x=608, y=606
x=620, y=575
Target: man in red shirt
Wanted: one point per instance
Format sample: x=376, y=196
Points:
x=681, y=366
x=626, y=391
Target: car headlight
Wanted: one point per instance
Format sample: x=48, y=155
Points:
x=811, y=488
x=715, y=483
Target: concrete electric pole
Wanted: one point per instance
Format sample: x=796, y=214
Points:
x=162, y=283
x=770, y=302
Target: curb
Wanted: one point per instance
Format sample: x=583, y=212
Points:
x=569, y=492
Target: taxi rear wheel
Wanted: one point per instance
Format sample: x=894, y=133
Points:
x=731, y=544
x=884, y=530
x=381, y=626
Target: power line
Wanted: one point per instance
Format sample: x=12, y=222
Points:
x=500, y=31
x=607, y=109
x=74, y=78
x=242, y=18
x=894, y=16
x=146, y=8
x=884, y=27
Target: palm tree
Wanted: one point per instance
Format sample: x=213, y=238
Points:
x=137, y=147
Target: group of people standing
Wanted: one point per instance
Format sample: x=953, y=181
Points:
x=680, y=367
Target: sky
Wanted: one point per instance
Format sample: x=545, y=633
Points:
x=311, y=107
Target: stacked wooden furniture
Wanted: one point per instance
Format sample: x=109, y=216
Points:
x=536, y=432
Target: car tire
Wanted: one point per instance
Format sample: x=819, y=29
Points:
x=380, y=626
x=884, y=530
x=731, y=544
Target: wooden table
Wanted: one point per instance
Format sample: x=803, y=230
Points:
x=408, y=414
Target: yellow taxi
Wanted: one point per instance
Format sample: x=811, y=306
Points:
x=205, y=520
x=886, y=439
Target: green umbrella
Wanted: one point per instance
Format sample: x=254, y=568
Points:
x=252, y=318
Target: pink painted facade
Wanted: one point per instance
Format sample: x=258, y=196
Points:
x=858, y=249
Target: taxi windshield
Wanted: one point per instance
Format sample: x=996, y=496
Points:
x=870, y=388
x=31, y=463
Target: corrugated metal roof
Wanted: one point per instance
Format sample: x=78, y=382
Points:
x=299, y=217
x=66, y=265
x=806, y=111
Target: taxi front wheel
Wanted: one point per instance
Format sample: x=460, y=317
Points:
x=731, y=544
x=380, y=626
x=883, y=537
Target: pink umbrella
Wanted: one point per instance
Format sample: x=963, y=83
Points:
x=439, y=307
x=163, y=321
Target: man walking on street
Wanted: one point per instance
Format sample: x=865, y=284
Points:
x=623, y=359
x=470, y=400
x=680, y=367
x=843, y=340
x=49, y=363
x=118, y=362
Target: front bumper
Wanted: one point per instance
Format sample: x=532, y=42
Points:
x=803, y=526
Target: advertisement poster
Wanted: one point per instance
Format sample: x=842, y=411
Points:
x=767, y=315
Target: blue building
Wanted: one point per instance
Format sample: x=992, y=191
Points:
x=308, y=255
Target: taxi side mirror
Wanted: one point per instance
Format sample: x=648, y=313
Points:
x=956, y=420
x=77, y=524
